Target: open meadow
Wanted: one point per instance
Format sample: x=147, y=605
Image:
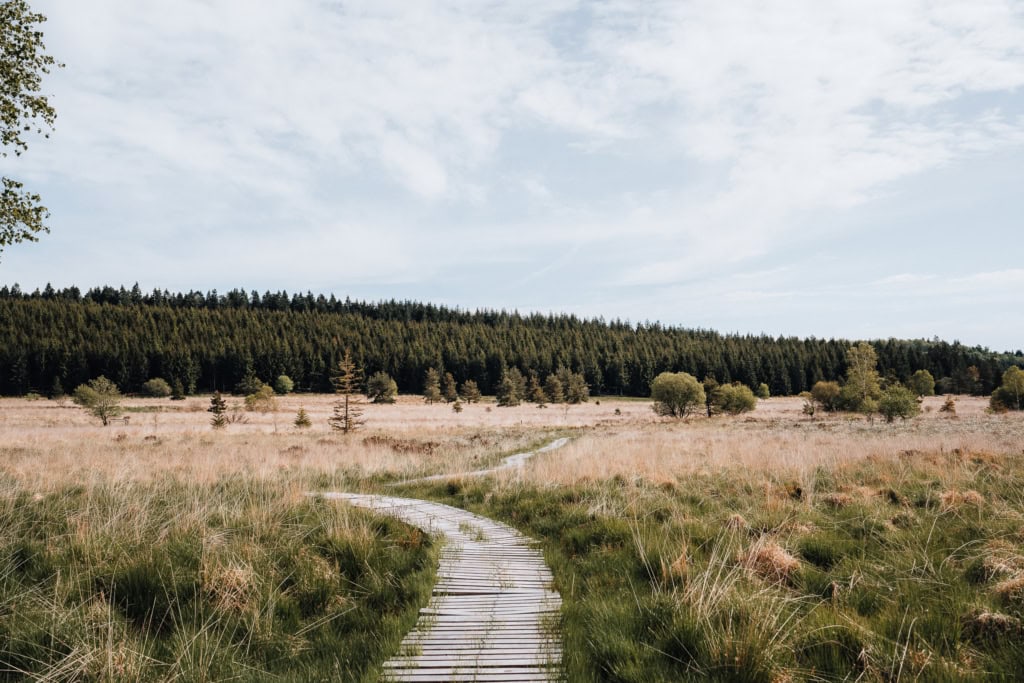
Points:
x=763, y=547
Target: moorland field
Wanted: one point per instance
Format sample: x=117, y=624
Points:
x=770, y=546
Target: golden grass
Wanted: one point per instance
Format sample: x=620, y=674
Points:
x=786, y=446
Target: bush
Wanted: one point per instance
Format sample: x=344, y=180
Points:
x=898, y=401
x=763, y=391
x=250, y=384
x=261, y=401
x=735, y=399
x=157, y=388
x=284, y=385
x=676, y=394
x=380, y=388
x=826, y=395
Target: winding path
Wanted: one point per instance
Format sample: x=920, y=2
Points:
x=507, y=463
x=493, y=613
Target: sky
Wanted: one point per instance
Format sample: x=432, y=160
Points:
x=829, y=169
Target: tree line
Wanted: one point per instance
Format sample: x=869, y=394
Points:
x=206, y=342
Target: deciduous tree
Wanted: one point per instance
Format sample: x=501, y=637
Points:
x=100, y=397
x=23, y=109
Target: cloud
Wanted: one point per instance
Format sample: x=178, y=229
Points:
x=667, y=142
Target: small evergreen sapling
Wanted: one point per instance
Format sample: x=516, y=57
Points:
x=302, y=420
x=219, y=408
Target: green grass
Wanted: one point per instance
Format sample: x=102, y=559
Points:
x=889, y=581
x=241, y=580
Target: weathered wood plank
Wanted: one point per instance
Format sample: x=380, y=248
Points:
x=489, y=619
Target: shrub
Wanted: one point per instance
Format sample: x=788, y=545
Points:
x=100, y=397
x=735, y=399
x=826, y=395
x=261, y=401
x=676, y=394
x=898, y=401
x=380, y=388
x=157, y=388
x=250, y=384
x=284, y=385
x=763, y=391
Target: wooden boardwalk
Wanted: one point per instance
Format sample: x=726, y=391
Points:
x=493, y=614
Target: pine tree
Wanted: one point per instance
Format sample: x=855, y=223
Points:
x=457, y=405
x=218, y=406
x=553, y=389
x=470, y=391
x=508, y=391
x=57, y=389
x=347, y=409
x=432, y=387
x=302, y=420
x=177, y=391
x=535, y=392
x=448, y=389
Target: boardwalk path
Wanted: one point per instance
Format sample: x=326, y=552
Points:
x=492, y=614
x=508, y=463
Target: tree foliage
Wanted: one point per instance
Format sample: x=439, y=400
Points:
x=826, y=395
x=922, y=383
x=862, y=389
x=470, y=391
x=380, y=388
x=157, y=388
x=283, y=385
x=735, y=398
x=101, y=398
x=449, y=390
x=1010, y=394
x=210, y=341
x=676, y=394
x=898, y=401
x=23, y=109
x=432, y=387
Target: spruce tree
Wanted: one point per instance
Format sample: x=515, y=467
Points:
x=470, y=391
x=448, y=389
x=508, y=391
x=347, y=409
x=534, y=391
x=432, y=387
x=302, y=420
x=553, y=389
x=218, y=406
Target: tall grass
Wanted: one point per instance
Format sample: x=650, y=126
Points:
x=880, y=566
x=169, y=581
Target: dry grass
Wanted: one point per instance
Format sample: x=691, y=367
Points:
x=786, y=445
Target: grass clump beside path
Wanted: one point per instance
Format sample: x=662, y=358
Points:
x=903, y=567
x=241, y=579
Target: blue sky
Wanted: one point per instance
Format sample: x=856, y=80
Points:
x=847, y=169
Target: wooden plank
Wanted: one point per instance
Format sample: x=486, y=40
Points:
x=490, y=617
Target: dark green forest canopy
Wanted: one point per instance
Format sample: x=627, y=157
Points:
x=210, y=341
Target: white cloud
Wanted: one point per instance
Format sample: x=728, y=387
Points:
x=665, y=140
